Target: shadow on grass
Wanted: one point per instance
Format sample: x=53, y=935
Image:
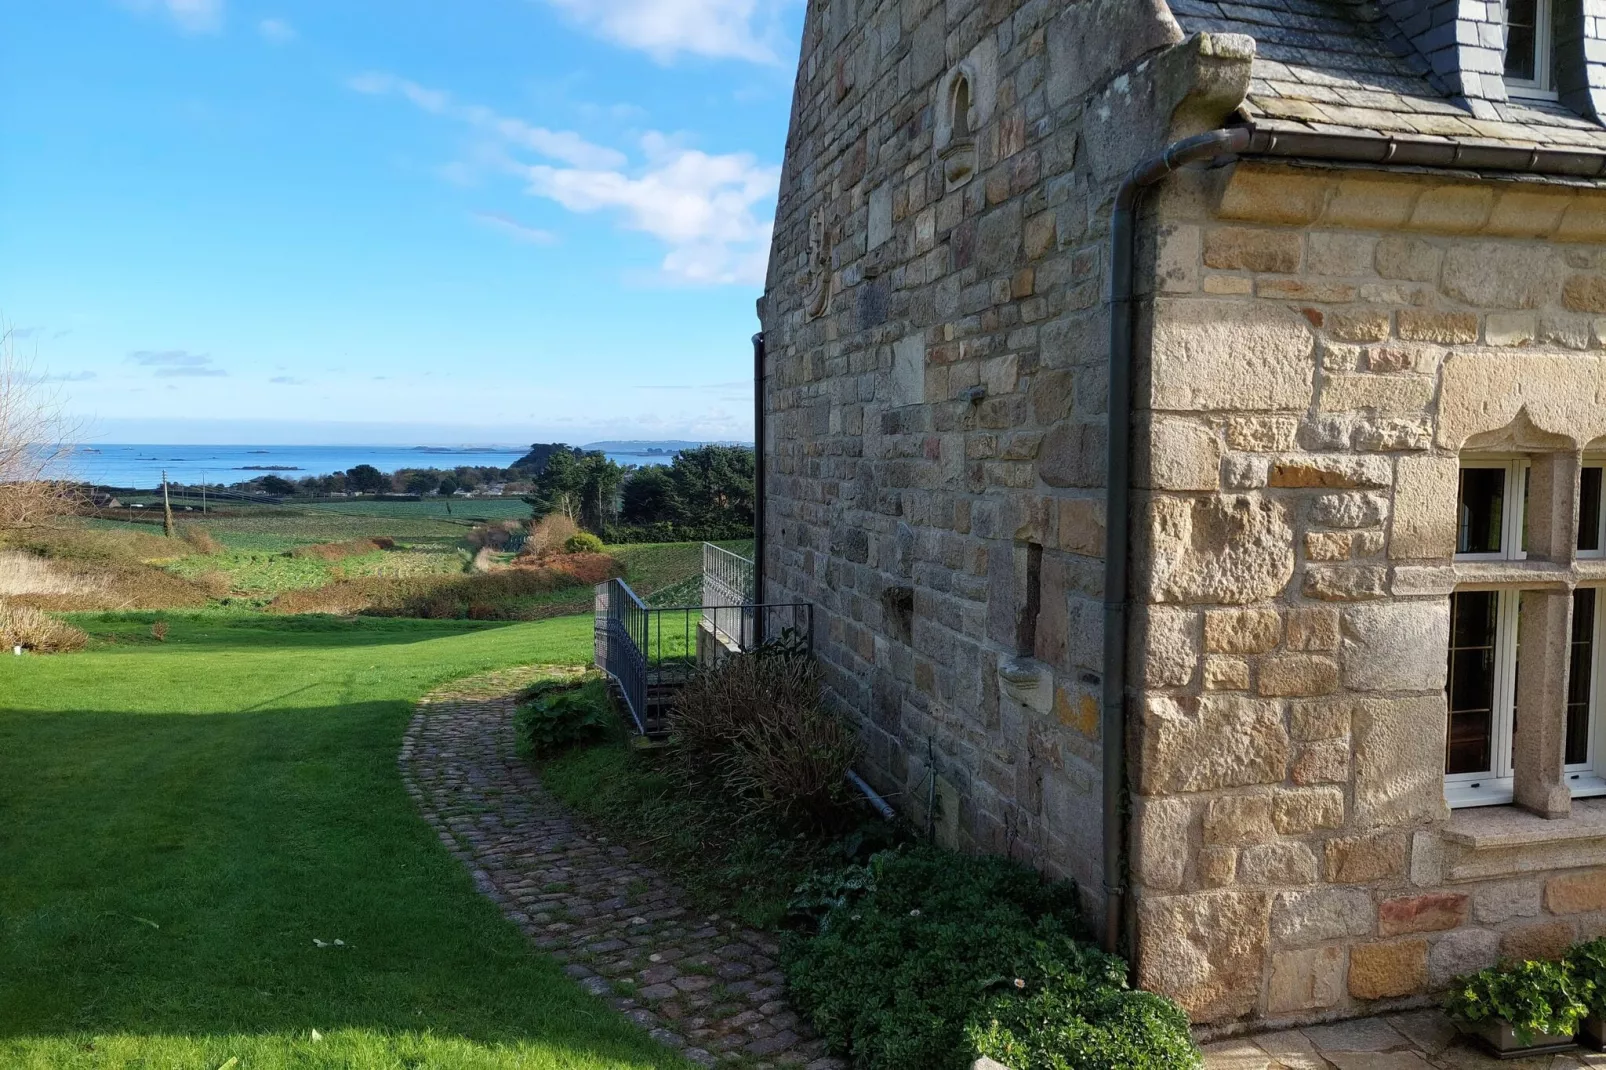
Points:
x=179, y=876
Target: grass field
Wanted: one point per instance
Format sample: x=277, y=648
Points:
x=181, y=820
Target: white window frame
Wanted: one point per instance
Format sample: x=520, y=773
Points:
x=1594, y=461
x=1513, y=512
x=1495, y=786
x=1543, y=84
x=1588, y=777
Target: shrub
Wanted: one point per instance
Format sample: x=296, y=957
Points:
x=928, y=956
x=337, y=551
x=200, y=540
x=32, y=630
x=582, y=542
x=549, y=534
x=1535, y=997
x=554, y=716
x=752, y=727
x=1587, y=963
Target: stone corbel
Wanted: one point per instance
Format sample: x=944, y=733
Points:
x=954, y=141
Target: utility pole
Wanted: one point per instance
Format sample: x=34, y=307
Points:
x=167, y=508
x=203, y=492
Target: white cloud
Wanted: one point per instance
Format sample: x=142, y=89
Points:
x=276, y=31
x=704, y=207
x=563, y=145
x=516, y=230
x=720, y=29
x=175, y=363
x=192, y=16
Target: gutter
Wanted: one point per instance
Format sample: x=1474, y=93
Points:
x=759, y=510
x=1222, y=146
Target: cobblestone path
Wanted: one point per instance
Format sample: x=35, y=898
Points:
x=697, y=982
x=1413, y=1040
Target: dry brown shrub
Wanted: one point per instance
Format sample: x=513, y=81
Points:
x=131, y=545
x=30, y=629
x=548, y=535
x=200, y=540
x=492, y=536
x=497, y=595
x=584, y=568
x=752, y=727
x=35, y=444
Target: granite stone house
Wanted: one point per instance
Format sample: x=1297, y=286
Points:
x=1188, y=420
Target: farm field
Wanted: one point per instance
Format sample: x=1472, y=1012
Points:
x=187, y=818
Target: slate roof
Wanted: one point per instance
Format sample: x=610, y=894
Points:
x=1341, y=67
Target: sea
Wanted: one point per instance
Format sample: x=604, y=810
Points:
x=142, y=465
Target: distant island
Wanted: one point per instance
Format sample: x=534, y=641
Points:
x=460, y=449
x=268, y=468
x=647, y=448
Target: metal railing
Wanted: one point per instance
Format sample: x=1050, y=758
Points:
x=651, y=651
x=728, y=596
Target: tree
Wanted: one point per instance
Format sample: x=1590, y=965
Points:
x=277, y=485
x=649, y=497
x=422, y=483
x=35, y=445
x=450, y=486
x=365, y=478
x=582, y=486
x=714, y=485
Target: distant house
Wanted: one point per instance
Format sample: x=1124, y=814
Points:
x=1308, y=768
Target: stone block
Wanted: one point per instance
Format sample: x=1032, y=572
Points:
x=1313, y=915
x=1464, y=951
x=1090, y=41
x=1495, y=903
x=1433, y=325
x=1584, y=293
x=1500, y=274
x=1311, y=629
x=1399, y=761
x=1576, y=893
x=1364, y=859
x=1329, y=471
x=1326, y=762
x=1273, y=195
x=1236, y=820
x=1217, y=866
x=1306, y=980
x=1339, y=253
x=1170, y=648
x=1072, y=455
x=1262, y=433
x=1424, y=525
x=907, y=383
x=1231, y=549
x=1412, y=259
x=1081, y=526
x=1485, y=391
x=1248, y=249
x=1396, y=645
x=1277, y=864
x=1357, y=325
x=1241, y=631
x=1337, y=583
x=1207, y=950
x=1223, y=672
x=1510, y=328
x=1296, y=812
x=1225, y=741
x=880, y=216
x=1298, y=675
x=1321, y=719
x=1161, y=841
x=1384, y=971
x=1181, y=455
x=1431, y=913
x=1384, y=395
x=1349, y=510
x=1539, y=940
x=1211, y=355
x=1328, y=545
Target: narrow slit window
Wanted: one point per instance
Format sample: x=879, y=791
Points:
x=961, y=123
x=1589, y=511
x=1491, y=510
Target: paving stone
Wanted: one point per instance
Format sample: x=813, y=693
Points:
x=568, y=890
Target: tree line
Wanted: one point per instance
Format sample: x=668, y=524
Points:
x=704, y=493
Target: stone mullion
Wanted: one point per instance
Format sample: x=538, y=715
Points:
x=1538, y=752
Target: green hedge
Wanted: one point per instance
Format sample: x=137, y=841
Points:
x=924, y=958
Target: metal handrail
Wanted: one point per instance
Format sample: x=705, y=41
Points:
x=728, y=596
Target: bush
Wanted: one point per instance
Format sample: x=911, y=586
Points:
x=752, y=727
x=1535, y=997
x=1587, y=963
x=548, y=534
x=582, y=542
x=555, y=716
x=200, y=540
x=928, y=958
x=32, y=630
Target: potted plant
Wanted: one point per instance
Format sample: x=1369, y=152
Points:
x=1520, y=1008
x=1587, y=963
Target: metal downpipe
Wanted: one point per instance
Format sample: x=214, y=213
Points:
x=758, y=485
x=1118, y=498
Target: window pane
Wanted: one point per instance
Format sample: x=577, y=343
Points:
x=1589, y=509
x=1474, y=617
x=1483, y=497
x=1578, y=675
x=1521, y=39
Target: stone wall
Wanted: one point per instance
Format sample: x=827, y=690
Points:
x=1323, y=345
x=936, y=338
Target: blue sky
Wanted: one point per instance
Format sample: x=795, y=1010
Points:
x=392, y=220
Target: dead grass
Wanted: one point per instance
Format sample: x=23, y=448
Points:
x=549, y=534
x=199, y=540
x=339, y=551
x=34, y=445
x=30, y=629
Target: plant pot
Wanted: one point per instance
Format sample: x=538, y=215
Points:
x=1593, y=1031
x=1501, y=1040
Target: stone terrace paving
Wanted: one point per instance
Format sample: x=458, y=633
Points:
x=1415, y=1040
x=696, y=982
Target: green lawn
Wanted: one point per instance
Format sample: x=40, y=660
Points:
x=181, y=820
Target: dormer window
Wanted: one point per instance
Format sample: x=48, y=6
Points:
x=1529, y=33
